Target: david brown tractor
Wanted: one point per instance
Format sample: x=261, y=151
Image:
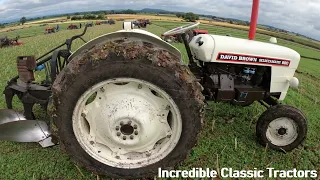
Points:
x=124, y=104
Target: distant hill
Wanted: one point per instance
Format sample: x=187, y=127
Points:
x=149, y=10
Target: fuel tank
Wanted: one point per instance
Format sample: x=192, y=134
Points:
x=225, y=49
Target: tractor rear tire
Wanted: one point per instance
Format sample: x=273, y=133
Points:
x=168, y=79
x=281, y=127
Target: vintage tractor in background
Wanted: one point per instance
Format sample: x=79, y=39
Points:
x=50, y=30
x=141, y=23
x=109, y=21
x=178, y=38
x=125, y=104
x=6, y=42
x=89, y=24
x=72, y=26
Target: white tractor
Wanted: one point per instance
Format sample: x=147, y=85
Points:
x=125, y=104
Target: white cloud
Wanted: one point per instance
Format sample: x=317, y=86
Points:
x=294, y=15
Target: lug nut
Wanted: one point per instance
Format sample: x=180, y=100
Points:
x=131, y=137
x=129, y=122
x=117, y=128
x=168, y=107
x=83, y=115
x=135, y=126
x=121, y=123
x=124, y=137
x=102, y=89
x=139, y=86
x=118, y=133
x=136, y=132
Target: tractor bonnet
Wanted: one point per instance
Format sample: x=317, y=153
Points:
x=235, y=50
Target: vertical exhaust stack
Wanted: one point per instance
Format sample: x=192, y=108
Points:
x=254, y=19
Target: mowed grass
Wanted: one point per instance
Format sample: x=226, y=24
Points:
x=226, y=140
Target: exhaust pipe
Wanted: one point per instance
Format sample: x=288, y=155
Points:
x=15, y=127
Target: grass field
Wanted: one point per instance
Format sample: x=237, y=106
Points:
x=225, y=125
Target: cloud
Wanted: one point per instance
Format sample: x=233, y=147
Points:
x=293, y=15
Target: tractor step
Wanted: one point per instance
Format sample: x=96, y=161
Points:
x=15, y=127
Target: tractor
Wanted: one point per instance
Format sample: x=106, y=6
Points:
x=189, y=35
x=72, y=26
x=148, y=21
x=89, y=24
x=6, y=42
x=141, y=23
x=109, y=21
x=124, y=104
x=50, y=30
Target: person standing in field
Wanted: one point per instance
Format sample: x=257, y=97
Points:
x=80, y=25
x=58, y=27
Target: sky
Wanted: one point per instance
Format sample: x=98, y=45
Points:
x=301, y=16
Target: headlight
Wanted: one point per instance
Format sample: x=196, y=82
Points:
x=294, y=82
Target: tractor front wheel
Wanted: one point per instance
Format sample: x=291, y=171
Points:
x=281, y=127
x=126, y=117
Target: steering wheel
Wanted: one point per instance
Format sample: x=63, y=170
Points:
x=181, y=29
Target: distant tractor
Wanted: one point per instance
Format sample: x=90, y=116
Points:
x=6, y=42
x=148, y=21
x=109, y=21
x=72, y=26
x=89, y=24
x=189, y=35
x=141, y=23
x=50, y=30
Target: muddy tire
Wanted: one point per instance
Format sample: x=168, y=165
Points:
x=127, y=67
x=281, y=127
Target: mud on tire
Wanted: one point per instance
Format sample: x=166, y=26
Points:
x=129, y=59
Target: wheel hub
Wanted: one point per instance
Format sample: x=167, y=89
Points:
x=282, y=131
x=129, y=123
x=127, y=129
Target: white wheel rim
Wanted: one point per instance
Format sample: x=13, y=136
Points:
x=282, y=131
x=130, y=123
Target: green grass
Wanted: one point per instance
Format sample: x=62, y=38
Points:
x=231, y=123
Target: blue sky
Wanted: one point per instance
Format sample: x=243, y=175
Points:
x=300, y=16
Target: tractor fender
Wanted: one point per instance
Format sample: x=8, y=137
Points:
x=135, y=34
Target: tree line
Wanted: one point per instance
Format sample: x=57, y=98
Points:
x=190, y=16
x=87, y=17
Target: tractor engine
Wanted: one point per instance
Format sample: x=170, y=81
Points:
x=239, y=83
